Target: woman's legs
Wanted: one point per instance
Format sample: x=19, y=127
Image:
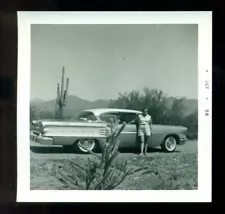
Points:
x=147, y=135
x=146, y=144
x=142, y=139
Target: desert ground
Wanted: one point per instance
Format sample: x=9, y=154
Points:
x=178, y=170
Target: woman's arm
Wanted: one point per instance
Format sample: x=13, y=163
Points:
x=135, y=120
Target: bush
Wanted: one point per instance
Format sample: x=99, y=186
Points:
x=163, y=110
x=191, y=122
x=36, y=114
x=101, y=173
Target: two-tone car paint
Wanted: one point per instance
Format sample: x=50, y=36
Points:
x=128, y=136
x=91, y=124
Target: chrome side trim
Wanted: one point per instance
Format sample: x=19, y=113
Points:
x=128, y=132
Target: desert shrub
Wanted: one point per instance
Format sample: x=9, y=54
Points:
x=163, y=109
x=46, y=115
x=34, y=115
x=191, y=122
x=100, y=172
x=37, y=114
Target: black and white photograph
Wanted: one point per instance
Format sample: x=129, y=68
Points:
x=114, y=106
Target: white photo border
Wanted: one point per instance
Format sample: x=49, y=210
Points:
x=204, y=21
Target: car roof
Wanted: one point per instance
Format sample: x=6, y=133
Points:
x=100, y=111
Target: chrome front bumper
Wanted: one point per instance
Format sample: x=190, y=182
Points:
x=182, y=140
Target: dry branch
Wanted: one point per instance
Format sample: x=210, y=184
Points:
x=104, y=174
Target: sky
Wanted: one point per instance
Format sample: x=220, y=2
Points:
x=104, y=60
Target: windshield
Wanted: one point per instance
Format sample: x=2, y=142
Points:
x=87, y=115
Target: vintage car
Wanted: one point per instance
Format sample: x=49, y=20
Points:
x=91, y=129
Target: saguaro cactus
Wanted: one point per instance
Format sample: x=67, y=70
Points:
x=61, y=96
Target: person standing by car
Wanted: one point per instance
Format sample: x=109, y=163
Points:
x=144, y=125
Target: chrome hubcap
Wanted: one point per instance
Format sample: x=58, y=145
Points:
x=170, y=143
x=87, y=144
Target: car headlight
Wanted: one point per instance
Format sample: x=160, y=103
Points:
x=182, y=136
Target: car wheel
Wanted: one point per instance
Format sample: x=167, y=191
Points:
x=83, y=145
x=169, y=144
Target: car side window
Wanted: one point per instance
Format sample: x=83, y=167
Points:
x=127, y=117
x=91, y=117
x=130, y=117
x=107, y=116
x=121, y=116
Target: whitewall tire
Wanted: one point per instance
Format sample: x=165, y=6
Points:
x=89, y=144
x=169, y=144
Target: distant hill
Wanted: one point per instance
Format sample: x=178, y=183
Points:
x=73, y=106
x=76, y=104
